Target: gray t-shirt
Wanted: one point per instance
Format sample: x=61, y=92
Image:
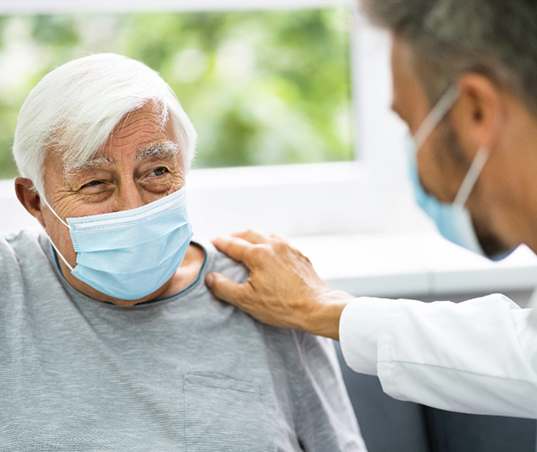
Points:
x=185, y=373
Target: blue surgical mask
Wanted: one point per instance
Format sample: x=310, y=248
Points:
x=452, y=220
x=132, y=253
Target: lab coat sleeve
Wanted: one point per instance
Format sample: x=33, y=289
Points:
x=479, y=356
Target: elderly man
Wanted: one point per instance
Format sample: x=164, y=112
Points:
x=109, y=339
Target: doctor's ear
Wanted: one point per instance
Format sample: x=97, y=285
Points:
x=29, y=198
x=477, y=114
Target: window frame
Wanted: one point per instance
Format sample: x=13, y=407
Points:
x=295, y=200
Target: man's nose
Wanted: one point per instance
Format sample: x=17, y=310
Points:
x=129, y=197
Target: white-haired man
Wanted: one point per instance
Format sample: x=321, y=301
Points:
x=109, y=339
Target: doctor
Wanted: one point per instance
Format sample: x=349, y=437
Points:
x=464, y=80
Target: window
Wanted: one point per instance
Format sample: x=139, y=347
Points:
x=261, y=87
x=290, y=84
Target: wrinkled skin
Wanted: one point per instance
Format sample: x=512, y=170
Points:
x=121, y=177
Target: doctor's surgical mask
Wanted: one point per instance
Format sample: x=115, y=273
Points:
x=452, y=220
x=132, y=253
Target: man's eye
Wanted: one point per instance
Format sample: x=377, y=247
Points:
x=93, y=183
x=159, y=171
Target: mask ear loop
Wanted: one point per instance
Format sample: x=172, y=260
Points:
x=471, y=177
x=474, y=171
x=53, y=211
x=435, y=116
x=429, y=124
x=50, y=240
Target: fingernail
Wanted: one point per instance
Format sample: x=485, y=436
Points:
x=209, y=279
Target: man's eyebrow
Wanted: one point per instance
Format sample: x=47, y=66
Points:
x=91, y=163
x=164, y=149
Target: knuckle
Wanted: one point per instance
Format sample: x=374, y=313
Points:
x=278, y=238
x=284, y=248
x=259, y=253
x=253, y=233
x=280, y=247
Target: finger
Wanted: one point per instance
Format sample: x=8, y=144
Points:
x=234, y=247
x=255, y=237
x=224, y=288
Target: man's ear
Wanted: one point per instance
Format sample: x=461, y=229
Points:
x=29, y=198
x=477, y=115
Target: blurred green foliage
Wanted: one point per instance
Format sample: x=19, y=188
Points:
x=263, y=87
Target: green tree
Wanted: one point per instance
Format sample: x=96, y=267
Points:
x=264, y=87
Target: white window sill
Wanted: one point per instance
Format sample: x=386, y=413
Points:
x=414, y=264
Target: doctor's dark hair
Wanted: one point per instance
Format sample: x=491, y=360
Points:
x=447, y=38
x=75, y=108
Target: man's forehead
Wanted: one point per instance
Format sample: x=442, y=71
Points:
x=165, y=149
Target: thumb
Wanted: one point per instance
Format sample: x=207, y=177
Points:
x=223, y=287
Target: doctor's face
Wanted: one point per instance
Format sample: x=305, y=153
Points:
x=442, y=161
x=441, y=167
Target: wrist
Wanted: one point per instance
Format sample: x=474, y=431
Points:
x=323, y=319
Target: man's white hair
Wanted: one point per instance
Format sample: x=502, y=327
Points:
x=74, y=109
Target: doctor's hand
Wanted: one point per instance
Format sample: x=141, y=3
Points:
x=283, y=289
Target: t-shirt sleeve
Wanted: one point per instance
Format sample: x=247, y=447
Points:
x=325, y=417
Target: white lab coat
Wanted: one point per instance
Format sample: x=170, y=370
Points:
x=479, y=356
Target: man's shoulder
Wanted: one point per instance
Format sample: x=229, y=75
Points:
x=22, y=242
x=24, y=264
x=287, y=341
x=216, y=261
